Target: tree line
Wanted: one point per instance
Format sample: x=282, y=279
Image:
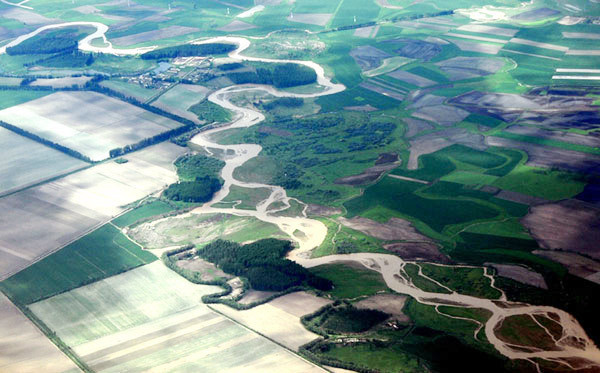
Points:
x=282, y=75
x=34, y=137
x=189, y=50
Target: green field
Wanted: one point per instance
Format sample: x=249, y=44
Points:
x=100, y=254
x=351, y=282
x=147, y=210
x=10, y=98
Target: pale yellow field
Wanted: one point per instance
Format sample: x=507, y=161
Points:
x=151, y=319
x=24, y=348
x=279, y=319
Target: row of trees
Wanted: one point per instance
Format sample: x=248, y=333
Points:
x=282, y=75
x=262, y=263
x=34, y=137
x=289, y=102
x=189, y=50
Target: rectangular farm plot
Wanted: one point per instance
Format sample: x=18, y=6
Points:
x=151, y=319
x=69, y=207
x=87, y=122
x=25, y=162
x=23, y=347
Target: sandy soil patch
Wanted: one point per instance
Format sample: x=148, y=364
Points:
x=442, y=114
x=545, y=156
x=416, y=126
x=236, y=25
x=366, y=32
x=364, y=108
x=572, y=138
x=532, y=43
x=581, y=35
x=208, y=270
x=24, y=348
x=25, y=16
x=470, y=46
x=61, y=82
x=520, y=274
x=383, y=89
x=385, y=162
x=570, y=20
x=568, y=225
x=423, y=100
x=319, y=19
x=520, y=198
x=88, y=122
x=391, y=304
x=368, y=57
x=252, y=11
x=280, y=318
x=424, y=145
x=418, y=251
x=164, y=33
x=474, y=37
x=251, y=296
x=576, y=264
x=410, y=78
x=87, y=9
x=485, y=29
x=321, y=210
x=26, y=162
x=536, y=14
x=419, y=25
x=46, y=217
x=583, y=52
x=459, y=68
x=394, y=229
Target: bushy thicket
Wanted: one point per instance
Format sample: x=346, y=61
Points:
x=193, y=166
x=189, y=50
x=350, y=319
x=262, y=263
x=281, y=75
x=46, y=43
x=284, y=102
x=200, y=190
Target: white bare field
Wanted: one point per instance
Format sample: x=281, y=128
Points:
x=24, y=348
x=25, y=162
x=151, y=319
x=88, y=122
x=492, y=30
x=279, y=319
x=39, y=220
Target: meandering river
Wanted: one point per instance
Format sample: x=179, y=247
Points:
x=310, y=233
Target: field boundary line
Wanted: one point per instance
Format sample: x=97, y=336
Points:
x=92, y=264
x=264, y=336
x=328, y=25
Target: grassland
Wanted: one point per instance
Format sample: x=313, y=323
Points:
x=101, y=254
x=147, y=210
x=469, y=281
x=201, y=229
x=10, y=98
x=350, y=281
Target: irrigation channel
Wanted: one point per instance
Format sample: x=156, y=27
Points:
x=309, y=233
